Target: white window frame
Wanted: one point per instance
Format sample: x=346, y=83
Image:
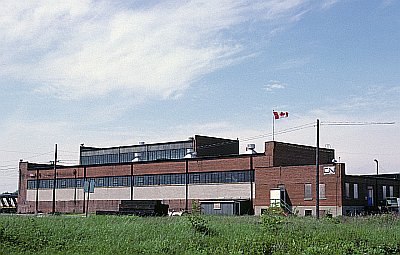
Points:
x=384, y=192
x=347, y=189
x=307, y=191
x=391, y=193
x=322, y=191
x=355, y=190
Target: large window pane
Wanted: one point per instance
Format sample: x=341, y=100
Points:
x=307, y=191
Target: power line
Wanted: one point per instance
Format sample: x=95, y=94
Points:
x=38, y=155
x=372, y=154
x=284, y=131
x=288, y=130
x=349, y=123
x=6, y=170
x=70, y=152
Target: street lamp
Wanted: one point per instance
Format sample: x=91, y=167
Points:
x=377, y=166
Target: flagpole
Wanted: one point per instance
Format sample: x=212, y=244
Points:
x=273, y=125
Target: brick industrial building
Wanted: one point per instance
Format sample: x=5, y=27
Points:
x=207, y=170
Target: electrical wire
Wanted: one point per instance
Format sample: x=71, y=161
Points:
x=278, y=132
x=284, y=131
x=349, y=123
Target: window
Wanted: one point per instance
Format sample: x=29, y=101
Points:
x=217, y=206
x=31, y=184
x=115, y=181
x=307, y=212
x=307, y=191
x=322, y=191
x=391, y=191
x=214, y=178
x=124, y=181
x=196, y=178
x=228, y=177
x=139, y=181
x=100, y=182
x=384, y=192
x=355, y=191
x=166, y=180
x=347, y=190
x=241, y=177
x=150, y=180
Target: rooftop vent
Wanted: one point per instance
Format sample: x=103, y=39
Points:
x=190, y=153
x=141, y=143
x=137, y=157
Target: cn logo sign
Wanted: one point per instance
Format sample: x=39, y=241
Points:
x=329, y=170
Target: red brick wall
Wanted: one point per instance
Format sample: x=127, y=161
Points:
x=294, y=178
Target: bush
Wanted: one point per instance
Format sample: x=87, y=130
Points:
x=199, y=224
x=273, y=219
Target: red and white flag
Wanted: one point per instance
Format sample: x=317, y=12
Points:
x=279, y=115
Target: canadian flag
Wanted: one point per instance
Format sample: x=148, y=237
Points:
x=279, y=115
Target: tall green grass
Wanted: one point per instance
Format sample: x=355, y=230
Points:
x=181, y=235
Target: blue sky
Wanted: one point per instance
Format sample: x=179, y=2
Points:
x=109, y=73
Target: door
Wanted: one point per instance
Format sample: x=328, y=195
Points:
x=370, y=196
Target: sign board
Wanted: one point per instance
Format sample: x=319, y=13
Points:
x=88, y=186
x=329, y=170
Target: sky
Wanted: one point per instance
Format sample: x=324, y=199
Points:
x=111, y=73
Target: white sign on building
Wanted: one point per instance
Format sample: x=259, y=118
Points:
x=329, y=170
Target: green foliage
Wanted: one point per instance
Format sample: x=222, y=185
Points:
x=268, y=234
x=273, y=219
x=197, y=222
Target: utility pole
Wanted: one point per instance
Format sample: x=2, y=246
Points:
x=75, y=189
x=132, y=179
x=37, y=191
x=251, y=184
x=317, y=174
x=84, y=196
x=54, y=180
x=88, y=197
x=186, y=185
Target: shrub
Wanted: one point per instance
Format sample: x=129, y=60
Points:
x=199, y=224
x=273, y=219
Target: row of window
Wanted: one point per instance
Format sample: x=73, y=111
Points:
x=128, y=157
x=150, y=180
x=308, y=191
x=347, y=190
x=354, y=194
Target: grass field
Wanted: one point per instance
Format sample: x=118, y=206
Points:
x=198, y=235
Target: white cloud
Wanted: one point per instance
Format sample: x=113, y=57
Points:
x=80, y=49
x=387, y=3
x=326, y=4
x=274, y=85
